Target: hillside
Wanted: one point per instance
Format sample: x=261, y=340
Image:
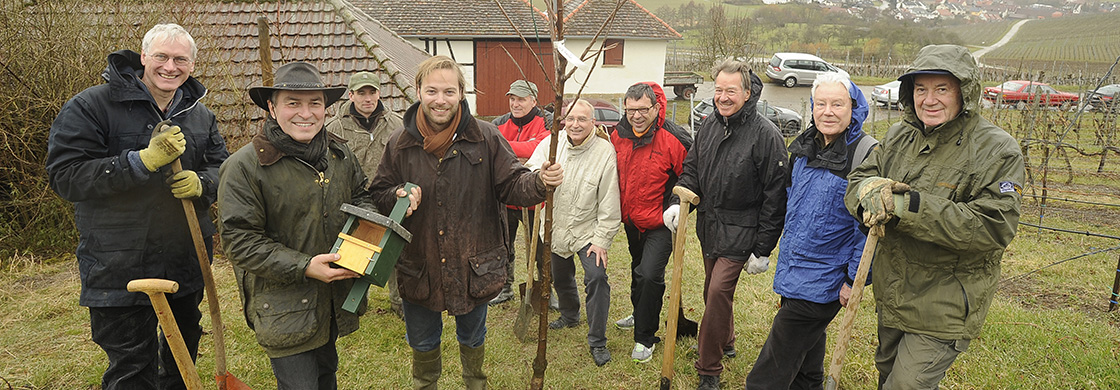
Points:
x=1081, y=42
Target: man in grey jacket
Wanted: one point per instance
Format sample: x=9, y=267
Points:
x=365, y=123
x=102, y=156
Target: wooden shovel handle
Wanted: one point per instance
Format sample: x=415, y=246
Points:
x=848, y=322
x=155, y=288
x=687, y=196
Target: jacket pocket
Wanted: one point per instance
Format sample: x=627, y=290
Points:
x=413, y=282
x=736, y=231
x=286, y=317
x=488, y=272
x=117, y=254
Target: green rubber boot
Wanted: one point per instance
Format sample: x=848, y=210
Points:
x=472, y=359
x=426, y=368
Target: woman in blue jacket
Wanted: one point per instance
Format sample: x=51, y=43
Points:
x=821, y=246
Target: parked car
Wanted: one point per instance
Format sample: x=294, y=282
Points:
x=787, y=120
x=1103, y=98
x=606, y=113
x=886, y=94
x=792, y=69
x=1021, y=93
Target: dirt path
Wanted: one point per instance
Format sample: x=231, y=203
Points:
x=1003, y=41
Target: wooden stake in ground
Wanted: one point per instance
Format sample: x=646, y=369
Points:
x=687, y=197
x=155, y=288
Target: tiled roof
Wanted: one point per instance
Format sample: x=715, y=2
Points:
x=338, y=40
x=483, y=19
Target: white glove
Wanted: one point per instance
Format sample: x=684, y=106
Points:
x=670, y=217
x=757, y=265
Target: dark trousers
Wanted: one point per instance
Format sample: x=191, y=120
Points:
x=314, y=369
x=717, y=327
x=513, y=220
x=649, y=254
x=595, y=288
x=139, y=357
x=793, y=356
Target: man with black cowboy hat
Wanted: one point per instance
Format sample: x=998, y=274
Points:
x=365, y=123
x=278, y=204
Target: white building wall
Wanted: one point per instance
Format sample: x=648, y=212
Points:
x=642, y=60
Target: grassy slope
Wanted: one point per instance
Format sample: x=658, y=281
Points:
x=1075, y=38
x=982, y=34
x=1047, y=330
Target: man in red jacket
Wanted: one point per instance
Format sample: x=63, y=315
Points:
x=650, y=159
x=524, y=127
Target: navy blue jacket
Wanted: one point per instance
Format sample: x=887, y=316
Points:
x=130, y=225
x=822, y=243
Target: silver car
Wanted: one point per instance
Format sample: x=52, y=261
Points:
x=886, y=94
x=792, y=69
x=787, y=120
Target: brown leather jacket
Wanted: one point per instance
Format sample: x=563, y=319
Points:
x=456, y=260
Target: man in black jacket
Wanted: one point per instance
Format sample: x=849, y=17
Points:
x=102, y=156
x=738, y=168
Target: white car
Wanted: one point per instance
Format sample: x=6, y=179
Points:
x=886, y=94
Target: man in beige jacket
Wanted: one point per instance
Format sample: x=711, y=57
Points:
x=586, y=225
x=365, y=123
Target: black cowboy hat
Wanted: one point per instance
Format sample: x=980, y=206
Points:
x=295, y=76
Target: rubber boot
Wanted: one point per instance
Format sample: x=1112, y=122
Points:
x=426, y=368
x=472, y=359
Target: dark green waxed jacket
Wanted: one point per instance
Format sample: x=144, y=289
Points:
x=937, y=266
x=277, y=212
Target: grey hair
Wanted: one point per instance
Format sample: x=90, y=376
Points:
x=580, y=102
x=831, y=77
x=166, y=33
x=636, y=91
x=731, y=66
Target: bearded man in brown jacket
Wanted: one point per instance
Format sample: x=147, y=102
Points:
x=456, y=260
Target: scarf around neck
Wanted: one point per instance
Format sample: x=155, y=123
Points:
x=314, y=152
x=435, y=143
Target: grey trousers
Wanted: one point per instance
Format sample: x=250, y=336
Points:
x=914, y=361
x=596, y=289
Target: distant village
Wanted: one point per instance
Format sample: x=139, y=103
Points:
x=960, y=10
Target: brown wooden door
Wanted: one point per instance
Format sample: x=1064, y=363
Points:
x=494, y=72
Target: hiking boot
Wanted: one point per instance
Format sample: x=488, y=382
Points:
x=504, y=296
x=625, y=323
x=562, y=323
x=641, y=353
x=708, y=382
x=600, y=355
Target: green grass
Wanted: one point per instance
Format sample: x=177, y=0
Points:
x=1046, y=330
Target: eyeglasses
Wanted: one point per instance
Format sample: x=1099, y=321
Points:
x=161, y=59
x=639, y=111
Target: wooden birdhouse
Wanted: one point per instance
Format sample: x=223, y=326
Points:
x=370, y=244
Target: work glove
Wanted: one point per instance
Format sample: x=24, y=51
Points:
x=185, y=185
x=671, y=217
x=880, y=197
x=757, y=265
x=164, y=147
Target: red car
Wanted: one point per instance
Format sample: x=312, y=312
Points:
x=1021, y=93
x=606, y=113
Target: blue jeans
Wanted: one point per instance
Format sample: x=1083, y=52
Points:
x=424, y=328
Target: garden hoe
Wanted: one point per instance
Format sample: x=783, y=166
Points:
x=832, y=382
x=155, y=288
x=529, y=294
x=687, y=197
x=226, y=381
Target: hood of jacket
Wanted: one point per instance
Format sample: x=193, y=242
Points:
x=123, y=74
x=950, y=58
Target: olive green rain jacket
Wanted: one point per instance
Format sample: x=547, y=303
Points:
x=937, y=266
